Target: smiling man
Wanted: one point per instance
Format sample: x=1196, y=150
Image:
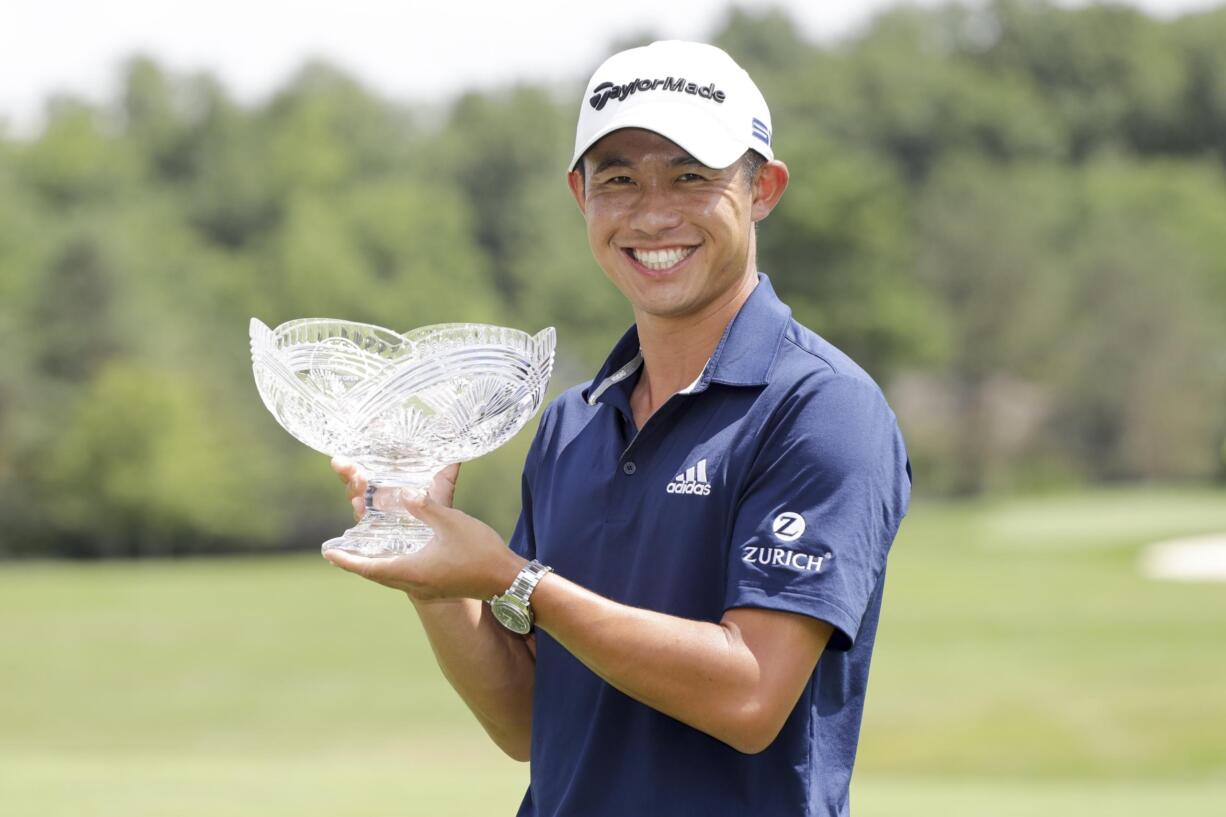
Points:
x=683, y=621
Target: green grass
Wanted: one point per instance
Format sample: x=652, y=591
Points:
x=1009, y=647
x=1023, y=667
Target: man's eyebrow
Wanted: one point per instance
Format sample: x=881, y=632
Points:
x=611, y=161
x=683, y=160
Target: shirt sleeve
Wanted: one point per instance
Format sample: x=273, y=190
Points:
x=523, y=539
x=820, y=506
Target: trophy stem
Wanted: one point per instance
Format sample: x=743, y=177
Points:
x=384, y=531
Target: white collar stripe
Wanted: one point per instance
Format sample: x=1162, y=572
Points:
x=629, y=369
x=615, y=378
x=690, y=388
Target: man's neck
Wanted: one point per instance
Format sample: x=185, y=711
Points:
x=675, y=350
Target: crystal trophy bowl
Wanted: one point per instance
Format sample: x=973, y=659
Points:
x=401, y=406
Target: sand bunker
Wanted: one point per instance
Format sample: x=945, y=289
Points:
x=1194, y=559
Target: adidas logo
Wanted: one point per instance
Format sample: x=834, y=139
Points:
x=693, y=481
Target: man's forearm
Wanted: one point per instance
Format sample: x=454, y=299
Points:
x=704, y=674
x=490, y=667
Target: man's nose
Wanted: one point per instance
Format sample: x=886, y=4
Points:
x=655, y=211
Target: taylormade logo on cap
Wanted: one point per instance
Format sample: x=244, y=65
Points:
x=692, y=94
x=608, y=90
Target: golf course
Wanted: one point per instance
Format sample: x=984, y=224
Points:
x=1023, y=667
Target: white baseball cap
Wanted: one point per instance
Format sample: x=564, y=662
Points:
x=692, y=94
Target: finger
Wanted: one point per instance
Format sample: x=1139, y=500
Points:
x=443, y=485
x=363, y=566
x=345, y=468
x=343, y=559
x=350, y=473
x=356, y=486
x=359, y=508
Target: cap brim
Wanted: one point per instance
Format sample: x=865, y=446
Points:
x=695, y=131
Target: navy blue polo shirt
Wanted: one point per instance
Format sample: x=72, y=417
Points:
x=776, y=480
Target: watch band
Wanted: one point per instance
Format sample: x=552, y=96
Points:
x=525, y=582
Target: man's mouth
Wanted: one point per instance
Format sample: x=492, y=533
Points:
x=661, y=259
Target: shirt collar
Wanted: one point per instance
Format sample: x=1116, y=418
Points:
x=744, y=356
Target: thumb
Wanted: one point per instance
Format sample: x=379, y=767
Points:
x=428, y=510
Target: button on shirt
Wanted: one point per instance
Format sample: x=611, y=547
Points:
x=777, y=480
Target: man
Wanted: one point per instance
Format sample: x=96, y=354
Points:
x=716, y=505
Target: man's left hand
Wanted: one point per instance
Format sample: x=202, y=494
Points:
x=466, y=558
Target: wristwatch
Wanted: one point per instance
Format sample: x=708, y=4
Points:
x=512, y=608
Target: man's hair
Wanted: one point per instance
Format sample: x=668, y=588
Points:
x=749, y=164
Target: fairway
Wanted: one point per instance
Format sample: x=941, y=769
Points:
x=1023, y=667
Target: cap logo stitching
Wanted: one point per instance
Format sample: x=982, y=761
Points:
x=760, y=131
x=605, y=91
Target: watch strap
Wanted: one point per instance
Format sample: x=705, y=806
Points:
x=526, y=581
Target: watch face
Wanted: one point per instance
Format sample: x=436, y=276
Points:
x=511, y=617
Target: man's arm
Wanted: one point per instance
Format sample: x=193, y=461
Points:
x=736, y=680
x=490, y=668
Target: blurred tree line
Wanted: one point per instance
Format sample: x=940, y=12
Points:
x=1013, y=215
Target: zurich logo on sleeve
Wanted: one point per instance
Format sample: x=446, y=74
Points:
x=788, y=526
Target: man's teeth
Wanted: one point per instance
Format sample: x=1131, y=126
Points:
x=662, y=259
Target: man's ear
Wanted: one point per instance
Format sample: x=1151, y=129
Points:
x=768, y=188
x=575, y=180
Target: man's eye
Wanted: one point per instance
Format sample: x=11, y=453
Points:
x=619, y=180
x=689, y=177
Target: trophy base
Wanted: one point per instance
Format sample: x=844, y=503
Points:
x=383, y=534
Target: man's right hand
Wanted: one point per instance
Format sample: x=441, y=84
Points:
x=442, y=488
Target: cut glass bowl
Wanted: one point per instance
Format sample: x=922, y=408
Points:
x=401, y=406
